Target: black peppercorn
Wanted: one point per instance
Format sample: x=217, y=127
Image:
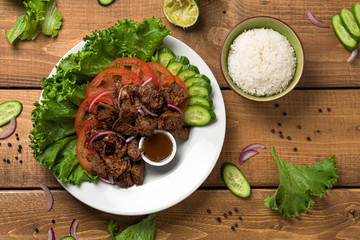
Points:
x=233, y=228
x=208, y=211
x=289, y=138
x=218, y=219
x=284, y=113
x=236, y=225
x=20, y=147
x=320, y=110
x=36, y=230
x=230, y=213
x=53, y=221
x=295, y=149
x=273, y=130
x=225, y=215
x=21, y=161
x=16, y=157
x=299, y=126
x=223, y=11
x=9, y=144
x=8, y=161
x=277, y=105
x=309, y=139
x=329, y=109
x=279, y=124
x=240, y=218
x=236, y=209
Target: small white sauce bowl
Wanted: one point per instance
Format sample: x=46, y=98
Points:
x=166, y=160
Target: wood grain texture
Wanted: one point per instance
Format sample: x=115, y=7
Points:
x=336, y=216
x=325, y=65
x=334, y=131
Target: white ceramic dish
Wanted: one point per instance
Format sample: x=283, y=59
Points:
x=167, y=185
x=166, y=160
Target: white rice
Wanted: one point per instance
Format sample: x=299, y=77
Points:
x=261, y=62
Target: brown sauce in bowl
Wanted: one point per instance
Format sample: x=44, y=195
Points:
x=157, y=147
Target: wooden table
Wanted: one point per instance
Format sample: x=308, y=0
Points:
x=325, y=104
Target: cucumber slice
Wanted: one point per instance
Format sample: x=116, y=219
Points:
x=356, y=13
x=8, y=110
x=187, y=71
x=200, y=99
x=344, y=37
x=67, y=238
x=105, y=2
x=198, y=115
x=235, y=180
x=202, y=84
x=165, y=54
x=196, y=78
x=348, y=20
x=176, y=63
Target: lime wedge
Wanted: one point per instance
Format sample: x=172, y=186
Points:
x=182, y=13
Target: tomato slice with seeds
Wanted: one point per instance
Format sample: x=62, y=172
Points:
x=82, y=151
x=82, y=116
x=135, y=65
x=110, y=78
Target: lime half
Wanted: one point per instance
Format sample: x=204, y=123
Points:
x=182, y=13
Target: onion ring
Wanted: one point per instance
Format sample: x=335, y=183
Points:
x=316, y=21
x=49, y=195
x=10, y=131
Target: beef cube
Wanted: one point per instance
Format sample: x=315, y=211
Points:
x=133, y=150
x=181, y=133
x=98, y=146
x=120, y=149
x=97, y=166
x=174, y=94
x=138, y=172
x=150, y=96
x=106, y=113
x=124, y=128
x=145, y=126
x=170, y=120
x=124, y=180
x=115, y=166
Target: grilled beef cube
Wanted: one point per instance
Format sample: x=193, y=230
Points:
x=115, y=166
x=97, y=166
x=127, y=115
x=150, y=96
x=106, y=113
x=98, y=146
x=133, y=150
x=174, y=94
x=138, y=172
x=145, y=126
x=124, y=128
x=181, y=133
x=170, y=120
x=124, y=180
x=120, y=149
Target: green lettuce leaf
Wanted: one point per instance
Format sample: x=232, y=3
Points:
x=53, y=138
x=300, y=183
x=38, y=14
x=144, y=230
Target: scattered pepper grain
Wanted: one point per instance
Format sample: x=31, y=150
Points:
x=16, y=157
x=295, y=149
x=284, y=113
x=225, y=215
x=309, y=139
x=8, y=161
x=277, y=105
x=236, y=225
x=218, y=219
x=288, y=138
x=9, y=144
x=329, y=109
x=19, y=150
x=53, y=221
x=320, y=110
x=230, y=213
x=233, y=228
x=20, y=147
x=36, y=230
x=223, y=11
x=273, y=131
x=236, y=209
x=279, y=124
x=240, y=218
x=208, y=211
x=21, y=161
x=299, y=126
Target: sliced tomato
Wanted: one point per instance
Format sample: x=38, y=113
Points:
x=110, y=78
x=81, y=146
x=135, y=65
x=181, y=83
x=163, y=76
x=82, y=113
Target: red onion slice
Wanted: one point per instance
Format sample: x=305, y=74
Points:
x=51, y=234
x=109, y=180
x=176, y=108
x=97, y=97
x=119, y=96
x=49, y=195
x=101, y=133
x=10, y=131
x=141, y=112
x=73, y=227
x=316, y=21
x=353, y=55
x=146, y=81
x=246, y=155
x=129, y=139
x=252, y=146
x=148, y=111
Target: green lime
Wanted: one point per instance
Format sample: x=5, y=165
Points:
x=182, y=13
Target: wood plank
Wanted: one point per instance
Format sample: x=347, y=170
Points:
x=325, y=66
x=334, y=131
x=334, y=216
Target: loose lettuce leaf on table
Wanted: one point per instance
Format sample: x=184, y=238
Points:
x=144, y=230
x=53, y=137
x=299, y=184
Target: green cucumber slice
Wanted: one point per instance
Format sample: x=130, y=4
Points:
x=196, y=78
x=202, y=84
x=165, y=54
x=8, y=110
x=176, y=63
x=198, y=115
x=235, y=180
x=200, y=99
x=187, y=71
x=105, y=2
x=348, y=20
x=67, y=238
x=344, y=37
x=356, y=13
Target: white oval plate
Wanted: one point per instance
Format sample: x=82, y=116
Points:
x=168, y=185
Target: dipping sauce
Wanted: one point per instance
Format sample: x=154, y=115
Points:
x=157, y=147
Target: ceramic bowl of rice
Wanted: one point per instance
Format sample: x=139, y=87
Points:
x=262, y=59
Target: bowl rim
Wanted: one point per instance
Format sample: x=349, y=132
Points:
x=265, y=98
